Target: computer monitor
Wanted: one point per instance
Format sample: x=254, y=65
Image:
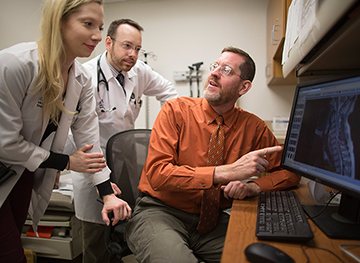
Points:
x=323, y=144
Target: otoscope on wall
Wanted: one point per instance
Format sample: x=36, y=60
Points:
x=190, y=79
x=197, y=67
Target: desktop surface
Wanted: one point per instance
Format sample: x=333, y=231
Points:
x=241, y=233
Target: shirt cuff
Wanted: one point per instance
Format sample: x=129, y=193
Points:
x=105, y=188
x=56, y=161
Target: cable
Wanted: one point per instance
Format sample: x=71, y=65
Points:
x=327, y=204
x=348, y=252
x=325, y=249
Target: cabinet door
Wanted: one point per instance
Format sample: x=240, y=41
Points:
x=275, y=24
x=276, y=29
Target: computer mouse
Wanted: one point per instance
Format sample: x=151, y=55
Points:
x=265, y=253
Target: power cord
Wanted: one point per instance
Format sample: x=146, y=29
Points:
x=325, y=249
x=327, y=204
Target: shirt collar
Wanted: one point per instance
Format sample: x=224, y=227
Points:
x=210, y=114
x=114, y=72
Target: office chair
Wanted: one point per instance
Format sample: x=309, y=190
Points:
x=126, y=153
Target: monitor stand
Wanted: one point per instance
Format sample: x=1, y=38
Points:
x=331, y=223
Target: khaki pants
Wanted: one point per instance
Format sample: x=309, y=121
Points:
x=159, y=233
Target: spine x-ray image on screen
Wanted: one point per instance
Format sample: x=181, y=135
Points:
x=328, y=128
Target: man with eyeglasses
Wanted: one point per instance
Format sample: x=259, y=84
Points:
x=120, y=80
x=168, y=223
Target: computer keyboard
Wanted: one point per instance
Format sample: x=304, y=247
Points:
x=280, y=216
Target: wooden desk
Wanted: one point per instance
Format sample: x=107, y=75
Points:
x=241, y=233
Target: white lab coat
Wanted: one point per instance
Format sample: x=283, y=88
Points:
x=141, y=79
x=22, y=124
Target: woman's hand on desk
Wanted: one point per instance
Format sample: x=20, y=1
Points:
x=83, y=162
x=239, y=190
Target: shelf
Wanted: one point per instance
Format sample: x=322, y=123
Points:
x=332, y=44
x=340, y=53
x=50, y=223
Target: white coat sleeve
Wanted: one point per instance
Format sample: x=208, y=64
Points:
x=157, y=85
x=19, y=115
x=85, y=130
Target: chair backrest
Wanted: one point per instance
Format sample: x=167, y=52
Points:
x=126, y=154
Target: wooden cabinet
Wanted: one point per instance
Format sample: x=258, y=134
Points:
x=332, y=45
x=276, y=29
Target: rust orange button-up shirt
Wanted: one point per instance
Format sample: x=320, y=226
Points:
x=175, y=170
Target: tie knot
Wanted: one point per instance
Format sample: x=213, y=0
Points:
x=120, y=78
x=219, y=120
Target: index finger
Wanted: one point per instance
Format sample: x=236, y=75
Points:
x=105, y=217
x=268, y=150
x=95, y=155
x=116, y=216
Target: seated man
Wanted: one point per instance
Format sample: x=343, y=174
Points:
x=170, y=222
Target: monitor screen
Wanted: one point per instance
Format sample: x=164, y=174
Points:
x=322, y=141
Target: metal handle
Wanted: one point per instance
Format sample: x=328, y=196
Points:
x=273, y=40
x=266, y=70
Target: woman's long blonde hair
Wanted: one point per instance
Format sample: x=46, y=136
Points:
x=51, y=54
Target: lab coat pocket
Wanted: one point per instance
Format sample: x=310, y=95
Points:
x=135, y=107
x=75, y=117
x=76, y=114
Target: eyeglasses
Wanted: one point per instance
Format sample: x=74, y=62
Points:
x=127, y=46
x=224, y=70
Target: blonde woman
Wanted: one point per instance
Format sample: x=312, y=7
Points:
x=44, y=91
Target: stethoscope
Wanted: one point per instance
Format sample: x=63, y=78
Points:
x=103, y=80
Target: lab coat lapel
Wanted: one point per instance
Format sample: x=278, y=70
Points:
x=129, y=84
x=73, y=92
x=40, y=201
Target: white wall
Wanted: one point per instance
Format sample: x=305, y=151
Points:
x=179, y=33
x=19, y=21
